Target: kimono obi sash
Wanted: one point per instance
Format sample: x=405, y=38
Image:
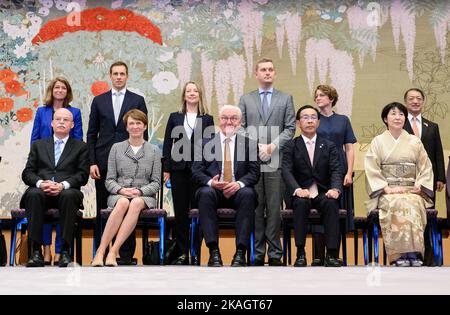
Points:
x=399, y=174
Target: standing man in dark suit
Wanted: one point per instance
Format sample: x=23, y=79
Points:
x=428, y=132
x=313, y=176
x=106, y=127
x=56, y=169
x=268, y=117
x=226, y=175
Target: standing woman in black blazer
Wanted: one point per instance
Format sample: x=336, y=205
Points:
x=184, y=128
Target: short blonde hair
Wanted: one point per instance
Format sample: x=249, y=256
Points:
x=48, y=99
x=136, y=114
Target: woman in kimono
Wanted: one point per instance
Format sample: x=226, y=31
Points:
x=399, y=181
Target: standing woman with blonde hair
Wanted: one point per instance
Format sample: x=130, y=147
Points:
x=184, y=128
x=58, y=95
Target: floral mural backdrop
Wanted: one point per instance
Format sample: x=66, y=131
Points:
x=371, y=51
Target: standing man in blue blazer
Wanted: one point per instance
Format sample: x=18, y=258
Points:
x=106, y=127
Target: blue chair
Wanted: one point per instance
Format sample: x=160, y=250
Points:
x=20, y=223
x=226, y=220
x=371, y=237
x=287, y=218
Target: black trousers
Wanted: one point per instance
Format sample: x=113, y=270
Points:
x=329, y=210
x=183, y=193
x=128, y=248
x=36, y=203
x=244, y=202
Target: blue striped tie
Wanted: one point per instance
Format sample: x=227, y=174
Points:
x=58, y=150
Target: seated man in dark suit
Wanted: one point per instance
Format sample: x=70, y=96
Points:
x=312, y=173
x=226, y=174
x=57, y=167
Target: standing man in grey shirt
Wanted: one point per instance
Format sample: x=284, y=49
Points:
x=268, y=117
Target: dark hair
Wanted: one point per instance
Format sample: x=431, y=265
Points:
x=297, y=116
x=389, y=107
x=329, y=91
x=414, y=89
x=118, y=63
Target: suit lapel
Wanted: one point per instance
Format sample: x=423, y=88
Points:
x=66, y=152
x=51, y=150
x=109, y=106
x=301, y=147
x=425, y=130
x=317, y=151
x=257, y=101
x=273, y=103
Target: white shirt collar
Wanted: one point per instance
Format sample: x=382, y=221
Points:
x=122, y=91
x=418, y=117
x=306, y=139
x=223, y=137
x=63, y=139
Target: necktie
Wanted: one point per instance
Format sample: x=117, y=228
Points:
x=58, y=150
x=265, y=105
x=116, y=106
x=227, y=175
x=415, y=127
x=313, y=189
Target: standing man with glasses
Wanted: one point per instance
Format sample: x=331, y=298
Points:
x=428, y=132
x=268, y=117
x=106, y=127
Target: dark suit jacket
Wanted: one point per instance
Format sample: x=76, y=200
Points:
x=298, y=172
x=102, y=131
x=245, y=170
x=431, y=140
x=73, y=165
x=176, y=119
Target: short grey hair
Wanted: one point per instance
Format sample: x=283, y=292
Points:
x=235, y=108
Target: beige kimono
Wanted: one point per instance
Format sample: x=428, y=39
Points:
x=405, y=163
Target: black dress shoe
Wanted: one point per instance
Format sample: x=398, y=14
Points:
x=195, y=261
x=215, y=260
x=181, y=260
x=276, y=262
x=36, y=259
x=64, y=259
x=258, y=262
x=332, y=262
x=126, y=261
x=300, y=261
x=317, y=262
x=239, y=259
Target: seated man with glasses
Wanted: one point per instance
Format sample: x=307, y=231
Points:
x=226, y=173
x=56, y=169
x=313, y=177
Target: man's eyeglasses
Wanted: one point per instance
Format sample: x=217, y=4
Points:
x=309, y=117
x=232, y=118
